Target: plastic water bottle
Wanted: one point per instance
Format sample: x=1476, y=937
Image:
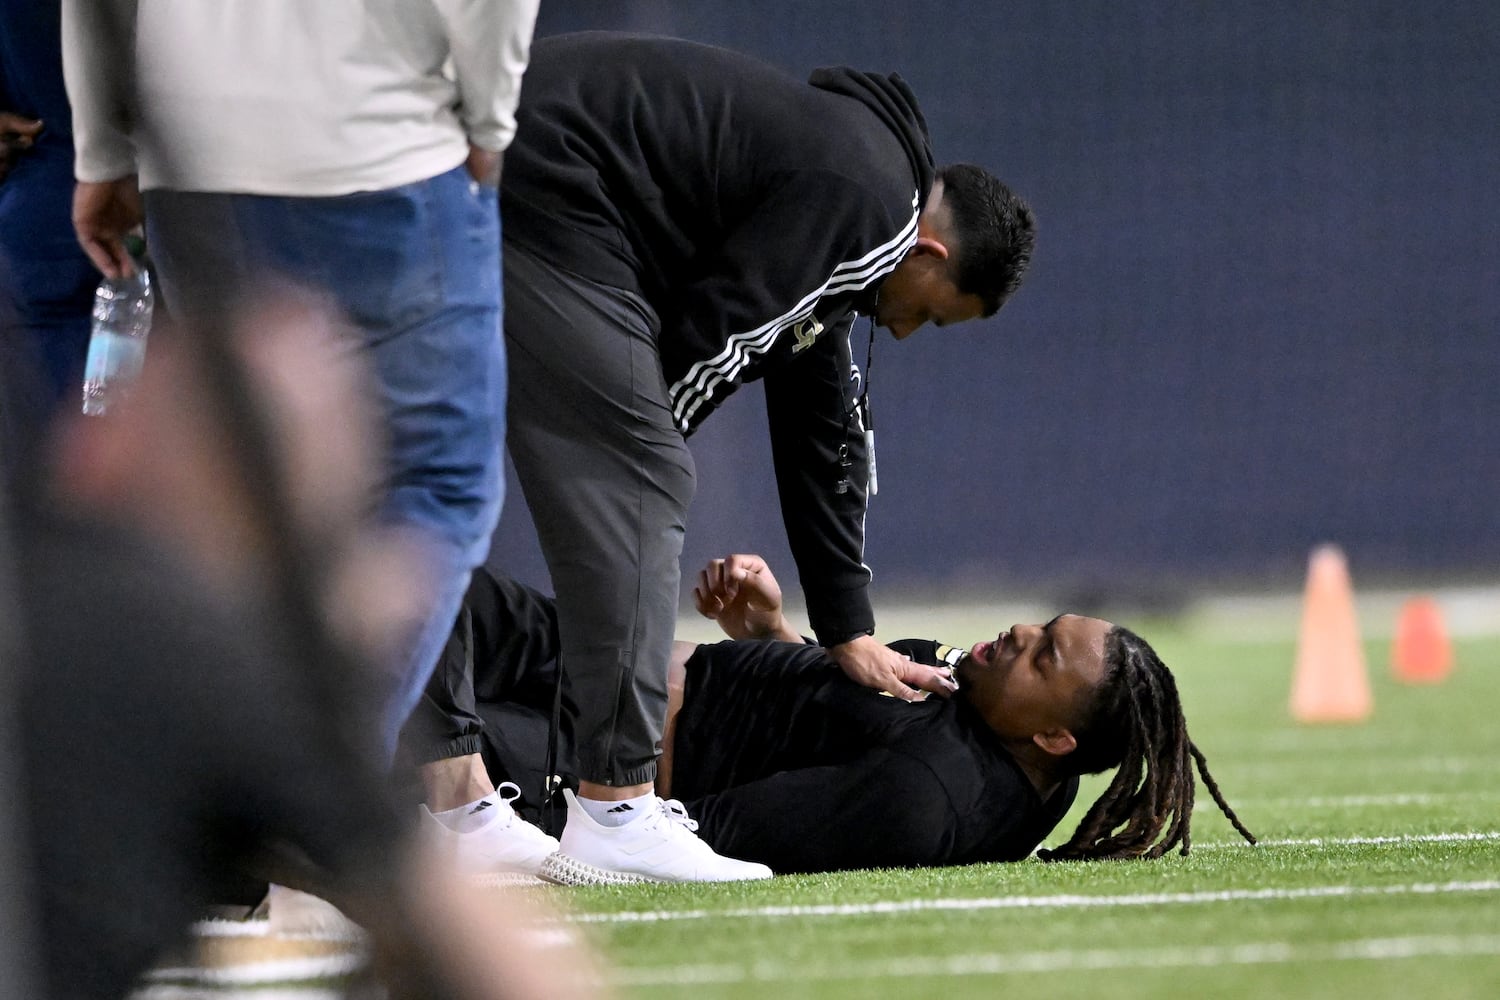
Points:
x=117, y=337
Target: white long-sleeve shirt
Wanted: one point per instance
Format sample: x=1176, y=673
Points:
x=290, y=97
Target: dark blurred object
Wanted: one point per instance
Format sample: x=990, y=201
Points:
x=176, y=733
x=170, y=734
x=166, y=745
x=17, y=918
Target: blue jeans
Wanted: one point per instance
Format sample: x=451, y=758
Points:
x=416, y=269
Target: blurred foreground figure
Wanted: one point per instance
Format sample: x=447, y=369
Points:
x=147, y=576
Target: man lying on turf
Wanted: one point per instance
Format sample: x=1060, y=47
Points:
x=781, y=759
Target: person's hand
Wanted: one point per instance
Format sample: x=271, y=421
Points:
x=483, y=166
x=17, y=134
x=740, y=594
x=103, y=213
x=869, y=662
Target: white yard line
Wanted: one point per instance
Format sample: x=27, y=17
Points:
x=1056, y=901
x=1361, y=763
x=987, y=964
x=1404, y=838
x=1358, y=801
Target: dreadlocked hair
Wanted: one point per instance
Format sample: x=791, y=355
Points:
x=1135, y=724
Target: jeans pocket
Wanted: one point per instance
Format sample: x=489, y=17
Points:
x=483, y=210
x=479, y=224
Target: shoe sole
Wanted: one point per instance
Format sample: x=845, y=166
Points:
x=504, y=880
x=563, y=870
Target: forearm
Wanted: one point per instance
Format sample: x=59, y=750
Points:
x=821, y=475
x=780, y=630
x=98, y=39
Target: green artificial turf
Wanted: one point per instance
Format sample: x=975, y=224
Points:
x=1416, y=916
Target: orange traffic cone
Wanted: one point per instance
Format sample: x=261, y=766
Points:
x=1421, y=653
x=1330, y=683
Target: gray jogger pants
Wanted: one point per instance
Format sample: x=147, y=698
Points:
x=608, y=479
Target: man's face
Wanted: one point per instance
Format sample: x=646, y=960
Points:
x=920, y=291
x=1035, y=678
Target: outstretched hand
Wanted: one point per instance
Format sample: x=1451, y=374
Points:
x=740, y=593
x=868, y=662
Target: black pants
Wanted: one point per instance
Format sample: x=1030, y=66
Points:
x=492, y=691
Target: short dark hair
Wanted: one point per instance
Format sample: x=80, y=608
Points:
x=995, y=231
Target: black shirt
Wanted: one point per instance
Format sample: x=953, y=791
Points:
x=779, y=756
x=784, y=760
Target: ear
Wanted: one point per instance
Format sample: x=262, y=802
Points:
x=1057, y=742
x=926, y=246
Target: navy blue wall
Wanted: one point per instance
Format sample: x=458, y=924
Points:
x=1264, y=310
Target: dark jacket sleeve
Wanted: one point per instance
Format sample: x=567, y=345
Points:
x=803, y=249
x=822, y=475
x=885, y=810
x=801, y=256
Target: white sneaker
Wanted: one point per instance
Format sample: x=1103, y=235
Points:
x=291, y=913
x=505, y=850
x=660, y=846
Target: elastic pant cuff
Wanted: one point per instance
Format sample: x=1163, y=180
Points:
x=642, y=775
x=459, y=746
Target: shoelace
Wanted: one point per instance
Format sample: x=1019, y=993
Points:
x=508, y=792
x=676, y=813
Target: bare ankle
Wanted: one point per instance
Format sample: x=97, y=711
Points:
x=455, y=781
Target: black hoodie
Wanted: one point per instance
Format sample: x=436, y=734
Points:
x=755, y=213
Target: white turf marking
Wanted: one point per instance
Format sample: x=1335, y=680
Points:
x=1404, y=838
x=1267, y=953
x=1057, y=901
x=1356, y=801
x=1075, y=901
x=1383, y=768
